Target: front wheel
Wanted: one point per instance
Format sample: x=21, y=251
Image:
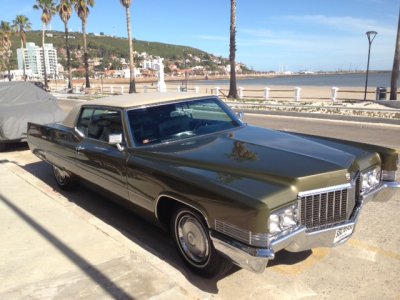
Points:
x=64, y=179
x=193, y=242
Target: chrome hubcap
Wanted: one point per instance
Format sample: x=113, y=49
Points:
x=60, y=175
x=192, y=238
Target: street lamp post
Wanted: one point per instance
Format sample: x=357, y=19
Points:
x=371, y=36
x=101, y=80
x=186, y=75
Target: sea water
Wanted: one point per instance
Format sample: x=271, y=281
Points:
x=381, y=79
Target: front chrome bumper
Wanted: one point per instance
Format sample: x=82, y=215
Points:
x=256, y=259
x=384, y=192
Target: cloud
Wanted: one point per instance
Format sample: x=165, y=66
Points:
x=317, y=41
x=341, y=34
x=345, y=23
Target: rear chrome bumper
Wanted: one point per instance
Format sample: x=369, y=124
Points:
x=256, y=259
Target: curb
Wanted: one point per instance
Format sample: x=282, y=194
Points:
x=324, y=116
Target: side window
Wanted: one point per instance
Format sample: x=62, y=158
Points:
x=103, y=123
x=84, y=120
x=100, y=123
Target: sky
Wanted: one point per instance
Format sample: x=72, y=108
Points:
x=285, y=35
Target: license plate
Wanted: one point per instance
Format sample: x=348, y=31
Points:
x=343, y=233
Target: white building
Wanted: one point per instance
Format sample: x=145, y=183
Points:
x=151, y=64
x=32, y=56
x=126, y=73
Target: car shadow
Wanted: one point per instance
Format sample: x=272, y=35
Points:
x=284, y=257
x=14, y=146
x=145, y=234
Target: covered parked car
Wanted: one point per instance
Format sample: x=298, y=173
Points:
x=23, y=102
x=227, y=191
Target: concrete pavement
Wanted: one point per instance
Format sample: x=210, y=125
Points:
x=50, y=248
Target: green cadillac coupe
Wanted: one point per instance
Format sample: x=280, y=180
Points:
x=228, y=192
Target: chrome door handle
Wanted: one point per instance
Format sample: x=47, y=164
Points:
x=80, y=148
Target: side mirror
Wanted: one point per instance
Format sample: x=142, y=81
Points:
x=116, y=139
x=79, y=133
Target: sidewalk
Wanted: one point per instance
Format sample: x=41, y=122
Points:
x=49, y=250
x=304, y=115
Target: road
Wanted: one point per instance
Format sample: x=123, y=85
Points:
x=379, y=134
x=368, y=266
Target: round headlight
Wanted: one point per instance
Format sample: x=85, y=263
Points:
x=370, y=179
x=283, y=220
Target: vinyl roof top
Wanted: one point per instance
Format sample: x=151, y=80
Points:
x=131, y=101
x=142, y=99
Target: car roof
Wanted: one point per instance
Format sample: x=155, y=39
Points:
x=131, y=101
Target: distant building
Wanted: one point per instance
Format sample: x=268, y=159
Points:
x=238, y=68
x=32, y=57
x=126, y=73
x=15, y=75
x=150, y=64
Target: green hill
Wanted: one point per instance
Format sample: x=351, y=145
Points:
x=106, y=46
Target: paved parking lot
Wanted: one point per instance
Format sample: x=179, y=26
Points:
x=79, y=245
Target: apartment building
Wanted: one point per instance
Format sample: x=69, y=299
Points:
x=32, y=57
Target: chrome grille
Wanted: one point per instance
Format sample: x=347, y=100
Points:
x=323, y=209
x=358, y=189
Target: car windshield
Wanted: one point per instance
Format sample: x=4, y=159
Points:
x=170, y=122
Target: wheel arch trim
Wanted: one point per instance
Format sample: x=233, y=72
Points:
x=174, y=198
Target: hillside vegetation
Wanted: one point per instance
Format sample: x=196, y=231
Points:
x=106, y=46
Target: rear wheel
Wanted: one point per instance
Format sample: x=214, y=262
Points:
x=193, y=242
x=64, y=179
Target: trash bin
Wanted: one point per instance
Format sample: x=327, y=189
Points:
x=381, y=93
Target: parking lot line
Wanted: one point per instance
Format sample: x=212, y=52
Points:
x=378, y=250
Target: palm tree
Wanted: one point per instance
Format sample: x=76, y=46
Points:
x=65, y=11
x=132, y=84
x=82, y=9
x=232, y=53
x=396, y=66
x=48, y=9
x=6, y=43
x=21, y=24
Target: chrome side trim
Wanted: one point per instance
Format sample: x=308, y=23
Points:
x=325, y=190
x=181, y=201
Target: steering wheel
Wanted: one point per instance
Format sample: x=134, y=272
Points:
x=184, y=134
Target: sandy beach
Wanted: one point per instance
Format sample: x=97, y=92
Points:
x=277, y=92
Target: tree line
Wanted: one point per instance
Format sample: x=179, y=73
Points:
x=21, y=24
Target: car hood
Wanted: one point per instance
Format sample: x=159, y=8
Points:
x=260, y=154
